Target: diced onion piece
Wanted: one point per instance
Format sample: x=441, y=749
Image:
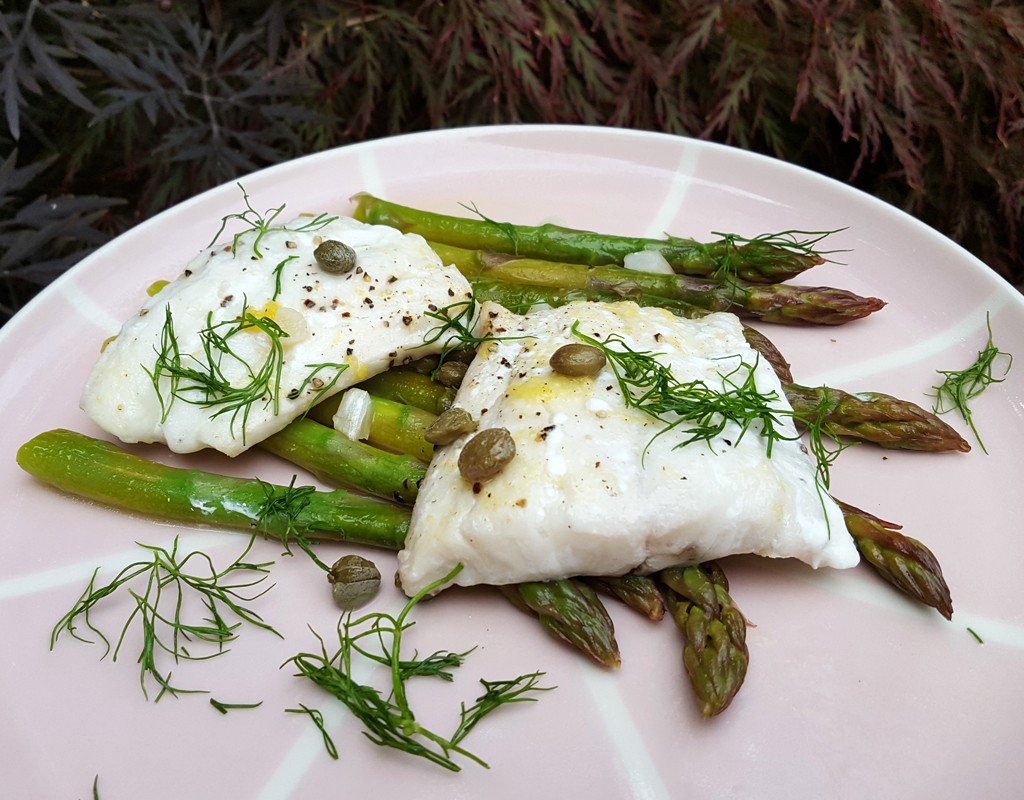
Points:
x=354, y=415
x=647, y=261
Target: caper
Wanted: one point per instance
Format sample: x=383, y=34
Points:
x=425, y=365
x=463, y=355
x=450, y=373
x=486, y=454
x=449, y=426
x=354, y=581
x=577, y=360
x=334, y=256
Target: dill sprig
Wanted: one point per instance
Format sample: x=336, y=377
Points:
x=388, y=719
x=455, y=328
x=281, y=507
x=764, y=248
x=165, y=590
x=704, y=412
x=318, y=720
x=205, y=380
x=962, y=386
x=507, y=228
x=263, y=224
x=223, y=708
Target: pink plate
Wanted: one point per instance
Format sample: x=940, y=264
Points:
x=853, y=691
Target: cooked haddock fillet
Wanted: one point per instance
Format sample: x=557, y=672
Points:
x=356, y=324
x=592, y=490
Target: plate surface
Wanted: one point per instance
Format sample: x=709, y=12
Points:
x=852, y=691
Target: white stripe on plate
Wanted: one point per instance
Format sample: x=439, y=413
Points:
x=644, y=777
x=680, y=187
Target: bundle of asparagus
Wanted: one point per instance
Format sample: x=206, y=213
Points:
x=739, y=275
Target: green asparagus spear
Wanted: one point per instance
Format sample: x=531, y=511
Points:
x=770, y=258
x=98, y=470
x=777, y=303
x=394, y=426
x=874, y=417
x=714, y=632
x=867, y=416
x=571, y=611
x=412, y=388
x=639, y=592
x=337, y=460
x=902, y=561
x=405, y=385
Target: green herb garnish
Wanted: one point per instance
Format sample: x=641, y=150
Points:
x=264, y=224
x=164, y=590
x=507, y=228
x=318, y=720
x=221, y=379
x=223, y=708
x=205, y=381
x=388, y=719
x=977, y=638
x=962, y=386
x=702, y=411
x=455, y=329
x=777, y=247
x=281, y=507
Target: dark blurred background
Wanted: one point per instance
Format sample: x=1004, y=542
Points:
x=114, y=111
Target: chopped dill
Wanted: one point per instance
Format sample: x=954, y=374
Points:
x=285, y=504
x=507, y=228
x=318, y=720
x=164, y=590
x=278, y=272
x=223, y=708
x=778, y=246
x=388, y=718
x=977, y=638
x=263, y=223
x=962, y=386
x=221, y=379
x=456, y=329
x=205, y=381
x=704, y=412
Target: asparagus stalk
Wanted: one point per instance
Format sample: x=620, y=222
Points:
x=902, y=561
x=874, y=417
x=638, y=592
x=337, y=460
x=867, y=416
x=777, y=303
x=715, y=652
x=571, y=611
x=394, y=426
x=404, y=385
x=770, y=258
x=98, y=470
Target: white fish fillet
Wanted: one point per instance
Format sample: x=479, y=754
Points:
x=590, y=491
x=366, y=320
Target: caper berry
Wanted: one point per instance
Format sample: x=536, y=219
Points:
x=577, y=360
x=449, y=426
x=354, y=581
x=334, y=256
x=450, y=373
x=486, y=454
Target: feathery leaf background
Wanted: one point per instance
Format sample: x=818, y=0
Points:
x=113, y=111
